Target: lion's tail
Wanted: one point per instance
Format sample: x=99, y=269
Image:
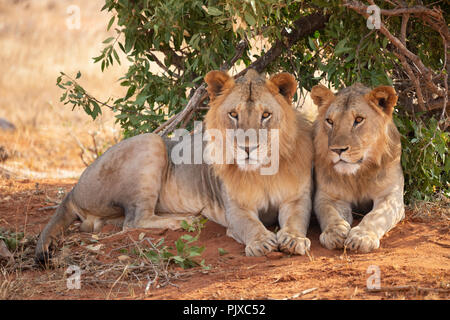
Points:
x=63, y=217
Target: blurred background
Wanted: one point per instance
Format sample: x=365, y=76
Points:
x=38, y=39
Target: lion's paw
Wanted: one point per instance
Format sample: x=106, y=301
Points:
x=362, y=240
x=292, y=244
x=334, y=235
x=263, y=245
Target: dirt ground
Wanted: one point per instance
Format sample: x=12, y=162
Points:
x=413, y=260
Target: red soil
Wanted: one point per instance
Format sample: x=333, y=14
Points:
x=415, y=253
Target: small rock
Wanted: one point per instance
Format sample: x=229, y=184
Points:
x=94, y=248
x=6, y=125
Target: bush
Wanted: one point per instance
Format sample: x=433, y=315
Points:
x=425, y=160
x=314, y=40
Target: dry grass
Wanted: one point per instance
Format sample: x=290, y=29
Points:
x=36, y=45
x=436, y=210
x=112, y=265
x=51, y=140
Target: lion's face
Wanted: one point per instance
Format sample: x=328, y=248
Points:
x=249, y=112
x=353, y=123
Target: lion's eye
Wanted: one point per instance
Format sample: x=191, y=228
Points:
x=358, y=120
x=233, y=114
x=266, y=115
x=330, y=122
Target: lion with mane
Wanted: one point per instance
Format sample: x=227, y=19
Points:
x=137, y=184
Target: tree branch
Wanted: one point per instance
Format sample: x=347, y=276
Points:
x=435, y=19
x=302, y=28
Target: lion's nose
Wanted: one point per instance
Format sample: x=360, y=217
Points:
x=339, y=150
x=248, y=149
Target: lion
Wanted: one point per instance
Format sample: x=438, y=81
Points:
x=356, y=166
x=138, y=184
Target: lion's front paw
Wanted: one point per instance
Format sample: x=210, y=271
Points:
x=291, y=243
x=262, y=246
x=334, y=235
x=362, y=240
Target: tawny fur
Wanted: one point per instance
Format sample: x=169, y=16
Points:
x=372, y=153
x=136, y=182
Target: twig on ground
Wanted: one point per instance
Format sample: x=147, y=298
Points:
x=48, y=208
x=409, y=288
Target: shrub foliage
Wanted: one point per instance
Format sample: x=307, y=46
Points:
x=314, y=40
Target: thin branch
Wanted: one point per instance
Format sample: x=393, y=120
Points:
x=358, y=48
x=191, y=105
x=414, y=80
x=161, y=65
x=240, y=48
x=410, y=10
x=405, y=19
x=425, y=72
x=408, y=288
x=303, y=27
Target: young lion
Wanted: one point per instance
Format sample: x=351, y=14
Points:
x=138, y=179
x=357, y=165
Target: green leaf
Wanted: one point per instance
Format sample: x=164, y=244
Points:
x=116, y=56
x=179, y=259
x=185, y=225
x=222, y=251
x=188, y=237
x=213, y=11
x=96, y=110
x=108, y=40
x=179, y=244
x=129, y=43
x=249, y=18
x=110, y=23
x=141, y=98
x=312, y=45
x=130, y=92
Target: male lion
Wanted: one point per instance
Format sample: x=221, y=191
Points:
x=357, y=165
x=138, y=180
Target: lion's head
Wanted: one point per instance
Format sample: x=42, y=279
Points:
x=254, y=113
x=354, y=129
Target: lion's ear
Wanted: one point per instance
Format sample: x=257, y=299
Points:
x=322, y=96
x=286, y=84
x=216, y=81
x=383, y=97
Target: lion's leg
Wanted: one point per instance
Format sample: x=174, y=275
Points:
x=245, y=227
x=156, y=221
x=92, y=224
x=143, y=216
x=335, y=218
x=294, y=219
x=386, y=213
